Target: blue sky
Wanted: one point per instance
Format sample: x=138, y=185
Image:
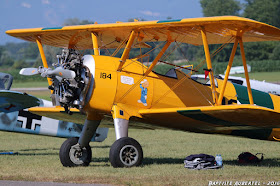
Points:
x=50, y=13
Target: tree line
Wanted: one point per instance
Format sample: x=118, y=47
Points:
x=19, y=55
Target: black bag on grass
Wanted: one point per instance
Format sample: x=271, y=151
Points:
x=247, y=157
x=200, y=161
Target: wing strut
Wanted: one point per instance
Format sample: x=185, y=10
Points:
x=246, y=71
x=237, y=40
x=127, y=50
x=227, y=71
x=43, y=57
x=168, y=42
x=95, y=44
x=165, y=47
x=209, y=65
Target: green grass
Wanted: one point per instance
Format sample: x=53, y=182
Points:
x=29, y=84
x=164, y=151
x=43, y=94
x=267, y=76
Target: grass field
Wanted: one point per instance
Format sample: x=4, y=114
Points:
x=267, y=76
x=164, y=152
x=29, y=84
x=43, y=94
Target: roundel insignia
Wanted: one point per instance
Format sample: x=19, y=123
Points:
x=60, y=73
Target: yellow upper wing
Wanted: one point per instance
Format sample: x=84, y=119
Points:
x=219, y=30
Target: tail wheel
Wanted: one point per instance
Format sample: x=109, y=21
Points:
x=72, y=155
x=126, y=152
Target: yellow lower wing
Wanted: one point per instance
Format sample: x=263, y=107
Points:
x=77, y=117
x=210, y=119
x=59, y=114
x=214, y=118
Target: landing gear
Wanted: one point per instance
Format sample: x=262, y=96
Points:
x=71, y=154
x=126, y=152
x=76, y=151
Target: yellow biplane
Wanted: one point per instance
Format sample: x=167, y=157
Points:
x=90, y=88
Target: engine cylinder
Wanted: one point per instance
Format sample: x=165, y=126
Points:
x=72, y=92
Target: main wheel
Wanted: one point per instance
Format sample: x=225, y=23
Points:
x=126, y=152
x=72, y=155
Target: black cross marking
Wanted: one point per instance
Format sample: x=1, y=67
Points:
x=29, y=117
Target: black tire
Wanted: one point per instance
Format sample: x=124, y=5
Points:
x=126, y=152
x=71, y=157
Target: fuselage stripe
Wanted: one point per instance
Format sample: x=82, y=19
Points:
x=260, y=98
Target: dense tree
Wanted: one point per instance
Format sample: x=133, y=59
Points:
x=264, y=11
x=19, y=64
x=276, y=52
x=15, y=49
x=51, y=53
x=259, y=50
x=1, y=50
x=220, y=7
x=31, y=52
x=6, y=59
x=267, y=12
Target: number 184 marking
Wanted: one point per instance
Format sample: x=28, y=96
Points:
x=104, y=75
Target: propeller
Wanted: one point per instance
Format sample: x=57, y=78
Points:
x=47, y=72
x=29, y=71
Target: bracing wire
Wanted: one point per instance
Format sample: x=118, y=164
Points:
x=119, y=47
x=184, y=78
x=215, y=53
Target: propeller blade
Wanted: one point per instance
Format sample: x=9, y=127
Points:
x=29, y=71
x=47, y=72
x=61, y=72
